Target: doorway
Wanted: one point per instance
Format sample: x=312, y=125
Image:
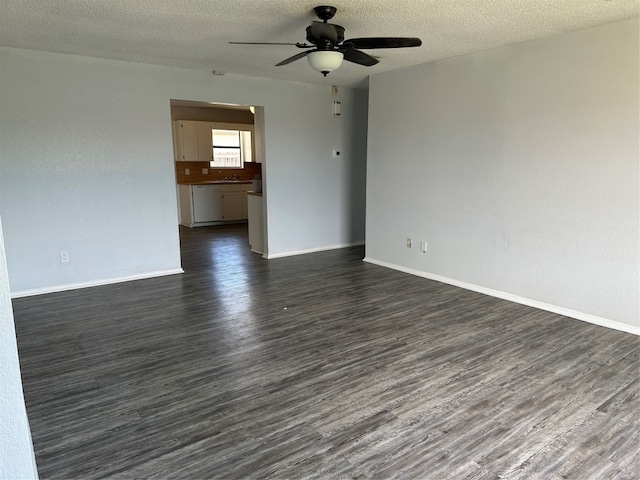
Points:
x=196, y=127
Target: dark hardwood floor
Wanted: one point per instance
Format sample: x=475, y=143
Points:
x=319, y=366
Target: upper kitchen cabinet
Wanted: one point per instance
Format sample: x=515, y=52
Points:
x=185, y=141
x=225, y=145
x=192, y=141
x=205, y=145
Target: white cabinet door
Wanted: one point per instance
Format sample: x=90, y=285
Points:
x=185, y=199
x=232, y=206
x=186, y=141
x=205, y=142
x=235, y=201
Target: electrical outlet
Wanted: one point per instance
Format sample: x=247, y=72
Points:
x=409, y=243
x=205, y=171
x=64, y=257
x=423, y=246
x=334, y=90
x=187, y=171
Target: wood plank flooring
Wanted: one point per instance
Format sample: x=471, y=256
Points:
x=319, y=366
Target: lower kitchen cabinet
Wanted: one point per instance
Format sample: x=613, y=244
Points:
x=232, y=202
x=235, y=202
x=212, y=204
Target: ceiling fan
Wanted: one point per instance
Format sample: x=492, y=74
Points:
x=328, y=47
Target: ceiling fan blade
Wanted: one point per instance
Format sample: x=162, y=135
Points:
x=293, y=59
x=297, y=44
x=361, y=58
x=382, y=42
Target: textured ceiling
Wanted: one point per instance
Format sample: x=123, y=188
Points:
x=195, y=33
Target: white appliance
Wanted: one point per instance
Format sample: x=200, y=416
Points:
x=207, y=203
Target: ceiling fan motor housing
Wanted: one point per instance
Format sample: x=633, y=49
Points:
x=325, y=36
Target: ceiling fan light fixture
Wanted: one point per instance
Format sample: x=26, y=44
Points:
x=325, y=61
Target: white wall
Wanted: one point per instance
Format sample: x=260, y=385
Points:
x=315, y=200
x=16, y=450
x=87, y=166
x=519, y=166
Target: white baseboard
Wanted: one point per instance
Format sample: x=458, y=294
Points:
x=93, y=283
x=567, y=312
x=314, y=250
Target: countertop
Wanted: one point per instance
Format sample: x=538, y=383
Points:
x=257, y=194
x=216, y=182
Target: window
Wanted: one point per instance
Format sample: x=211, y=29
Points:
x=231, y=148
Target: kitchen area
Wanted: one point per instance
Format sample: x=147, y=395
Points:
x=218, y=161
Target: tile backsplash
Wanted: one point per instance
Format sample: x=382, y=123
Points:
x=195, y=169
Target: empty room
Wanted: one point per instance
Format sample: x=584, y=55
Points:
x=285, y=240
